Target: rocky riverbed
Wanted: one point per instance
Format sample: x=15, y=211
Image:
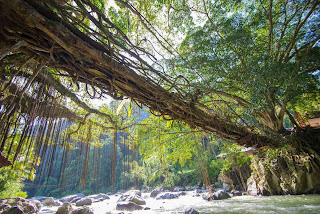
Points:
x=159, y=201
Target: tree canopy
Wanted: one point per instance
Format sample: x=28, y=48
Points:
x=238, y=69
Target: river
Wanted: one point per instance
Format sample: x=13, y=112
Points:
x=291, y=204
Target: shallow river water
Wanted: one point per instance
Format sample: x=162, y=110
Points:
x=309, y=204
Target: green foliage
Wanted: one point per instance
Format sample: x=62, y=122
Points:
x=234, y=158
x=11, y=182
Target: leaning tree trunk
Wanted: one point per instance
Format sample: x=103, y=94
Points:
x=54, y=39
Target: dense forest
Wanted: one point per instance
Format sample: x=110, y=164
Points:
x=108, y=95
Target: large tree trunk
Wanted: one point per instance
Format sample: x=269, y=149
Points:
x=45, y=34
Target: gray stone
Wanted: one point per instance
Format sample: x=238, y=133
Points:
x=66, y=208
x=70, y=198
x=199, y=191
x=29, y=207
x=4, y=207
x=84, y=201
x=13, y=210
x=132, y=196
x=36, y=203
x=182, y=193
x=208, y=196
x=227, y=187
x=189, y=188
x=167, y=195
x=128, y=206
x=51, y=202
x=179, y=189
x=220, y=195
x=252, y=187
x=100, y=196
x=236, y=193
x=75, y=200
x=83, y=210
x=154, y=193
x=191, y=211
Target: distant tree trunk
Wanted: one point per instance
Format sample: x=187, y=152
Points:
x=114, y=160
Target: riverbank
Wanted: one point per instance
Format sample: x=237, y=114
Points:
x=293, y=204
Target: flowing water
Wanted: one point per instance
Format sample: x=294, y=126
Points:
x=295, y=204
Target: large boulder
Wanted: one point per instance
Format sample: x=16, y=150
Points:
x=167, y=195
x=51, y=202
x=100, y=196
x=84, y=201
x=4, y=207
x=70, y=198
x=66, y=208
x=252, y=186
x=128, y=206
x=284, y=176
x=208, y=196
x=190, y=188
x=36, y=203
x=83, y=210
x=227, y=187
x=191, y=211
x=14, y=210
x=219, y=195
x=29, y=207
x=179, y=189
x=154, y=193
x=133, y=192
x=132, y=196
x=14, y=205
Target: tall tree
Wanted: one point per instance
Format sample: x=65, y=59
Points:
x=255, y=58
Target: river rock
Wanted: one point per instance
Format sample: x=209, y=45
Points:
x=26, y=206
x=99, y=196
x=200, y=191
x=14, y=210
x=70, y=198
x=208, y=196
x=4, y=207
x=83, y=210
x=36, y=203
x=227, y=187
x=179, y=189
x=281, y=175
x=154, y=193
x=181, y=193
x=132, y=196
x=220, y=195
x=84, y=201
x=51, y=202
x=134, y=192
x=236, y=193
x=66, y=208
x=191, y=211
x=128, y=206
x=167, y=195
x=29, y=207
x=252, y=186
